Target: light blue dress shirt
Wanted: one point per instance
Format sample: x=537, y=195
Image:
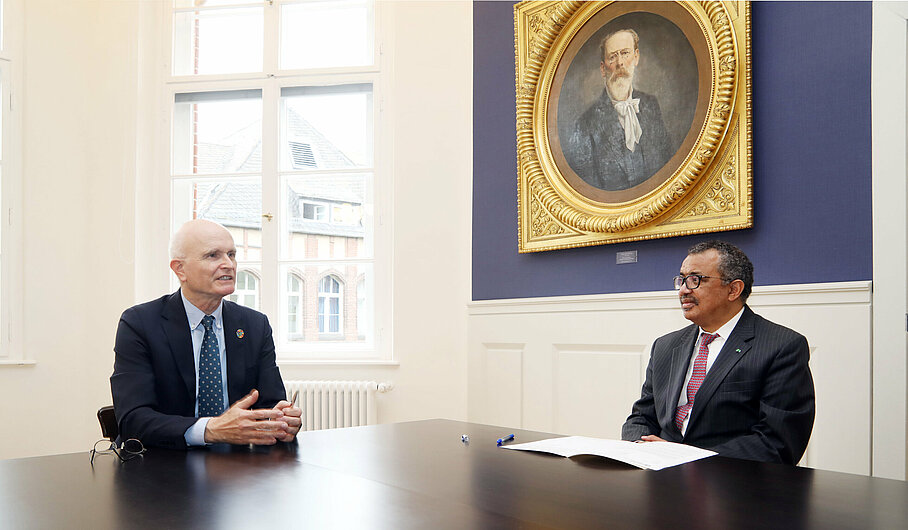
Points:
x=195, y=435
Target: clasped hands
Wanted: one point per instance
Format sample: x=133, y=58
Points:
x=241, y=424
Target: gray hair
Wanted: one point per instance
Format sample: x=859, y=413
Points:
x=612, y=34
x=177, y=250
x=733, y=263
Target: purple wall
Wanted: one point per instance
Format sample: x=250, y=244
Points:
x=812, y=208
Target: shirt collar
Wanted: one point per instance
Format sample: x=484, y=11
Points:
x=195, y=315
x=726, y=328
x=615, y=101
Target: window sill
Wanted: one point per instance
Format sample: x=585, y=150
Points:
x=17, y=362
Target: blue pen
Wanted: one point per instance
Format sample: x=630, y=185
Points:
x=507, y=438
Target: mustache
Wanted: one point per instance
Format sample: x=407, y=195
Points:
x=618, y=74
x=689, y=299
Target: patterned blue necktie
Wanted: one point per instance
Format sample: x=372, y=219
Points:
x=211, y=392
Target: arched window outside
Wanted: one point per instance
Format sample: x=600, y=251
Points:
x=329, y=305
x=247, y=290
x=294, y=307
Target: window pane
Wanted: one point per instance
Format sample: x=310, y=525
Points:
x=326, y=217
x=329, y=305
x=334, y=305
x=326, y=127
x=314, y=211
x=235, y=203
x=219, y=41
x=326, y=34
x=217, y=132
x=294, y=307
x=334, y=316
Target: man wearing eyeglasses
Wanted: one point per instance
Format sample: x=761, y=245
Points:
x=733, y=382
x=182, y=359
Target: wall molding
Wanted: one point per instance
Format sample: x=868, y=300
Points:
x=856, y=292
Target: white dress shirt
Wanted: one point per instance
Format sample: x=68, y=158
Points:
x=195, y=435
x=714, y=348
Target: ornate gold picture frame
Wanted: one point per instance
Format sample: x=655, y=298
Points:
x=673, y=158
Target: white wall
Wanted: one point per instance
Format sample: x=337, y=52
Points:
x=78, y=108
x=84, y=110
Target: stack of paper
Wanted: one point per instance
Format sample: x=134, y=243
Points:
x=647, y=455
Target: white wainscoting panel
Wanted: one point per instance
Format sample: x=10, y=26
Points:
x=503, y=372
x=574, y=365
x=578, y=379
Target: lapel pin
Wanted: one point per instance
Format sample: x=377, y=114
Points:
x=737, y=350
x=240, y=333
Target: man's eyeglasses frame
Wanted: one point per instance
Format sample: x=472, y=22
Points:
x=692, y=281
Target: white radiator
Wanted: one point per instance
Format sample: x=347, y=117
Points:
x=332, y=404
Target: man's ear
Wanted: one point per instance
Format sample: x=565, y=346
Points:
x=735, y=288
x=176, y=265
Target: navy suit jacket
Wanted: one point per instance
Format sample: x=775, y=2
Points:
x=596, y=148
x=756, y=403
x=153, y=382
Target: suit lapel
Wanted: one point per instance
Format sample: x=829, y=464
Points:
x=735, y=347
x=680, y=362
x=614, y=136
x=176, y=328
x=235, y=343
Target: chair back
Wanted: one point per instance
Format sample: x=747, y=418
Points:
x=108, y=421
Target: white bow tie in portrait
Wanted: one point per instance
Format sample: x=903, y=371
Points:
x=627, y=114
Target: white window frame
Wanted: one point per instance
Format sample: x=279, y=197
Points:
x=271, y=81
x=11, y=267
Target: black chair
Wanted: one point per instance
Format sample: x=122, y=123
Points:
x=108, y=421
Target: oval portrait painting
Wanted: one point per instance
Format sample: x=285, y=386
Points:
x=628, y=99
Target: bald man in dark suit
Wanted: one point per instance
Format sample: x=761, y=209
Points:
x=733, y=382
x=182, y=359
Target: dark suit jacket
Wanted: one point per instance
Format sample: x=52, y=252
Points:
x=596, y=148
x=153, y=382
x=756, y=403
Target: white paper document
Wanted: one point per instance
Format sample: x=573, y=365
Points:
x=649, y=455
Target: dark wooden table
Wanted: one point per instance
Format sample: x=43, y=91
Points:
x=420, y=475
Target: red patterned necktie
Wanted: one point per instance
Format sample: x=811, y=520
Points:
x=696, y=378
